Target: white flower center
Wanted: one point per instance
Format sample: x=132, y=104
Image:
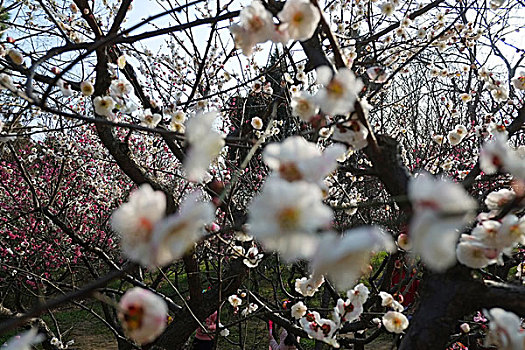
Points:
x=288, y=218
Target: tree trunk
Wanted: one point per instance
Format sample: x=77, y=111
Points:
x=445, y=299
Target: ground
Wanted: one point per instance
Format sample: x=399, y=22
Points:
x=94, y=342
x=90, y=334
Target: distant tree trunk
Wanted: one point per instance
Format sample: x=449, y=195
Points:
x=445, y=298
x=124, y=345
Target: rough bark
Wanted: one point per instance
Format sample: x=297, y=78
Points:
x=184, y=322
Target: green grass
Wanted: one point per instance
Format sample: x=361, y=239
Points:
x=75, y=322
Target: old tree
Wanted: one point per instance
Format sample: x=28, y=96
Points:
x=351, y=170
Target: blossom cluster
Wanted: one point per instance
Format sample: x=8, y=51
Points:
x=205, y=144
x=347, y=311
x=441, y=209
x=289, y=211
x=236, y=300
x=298, y=21
x=252, y=257
x=489, y=240
x=496, y=155
x=150, y=238
x=143, y=315
x=457, y=135
x=505, y=332
x=336, y=97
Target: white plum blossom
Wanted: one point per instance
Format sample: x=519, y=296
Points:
x=55, y=342
x=325, y=132
x=86, y=88
x=301, y=18
x=504, y=330
x=234, y=300
x=298, y=310
x=253, y=257
x=175, y=235
x=465, y=97
x=499, y=237
x=177, y=127
x=285, y=216
x=434, y=71
x=339, y=92
x=406, y=21
x=205, y=144
x=511, y=232
x=201, y=104
x=136, y=220
x=120, y=88
x=65, y=88
x=302, y=77
x=438, y=139
x=15, y=56
x=6, y=82
x=498, y=199
x=296, y=159
x=500, y=94
x=149, y=119
x=319, y=328
x=121, y=62
x=403, y=242
x=472, y=252
x=304, y=106
x=348, y=311
x=359, y=294
x=104, y=105
x=294, y=89
x=496, y=4
x=484, y=74
x=377, y=74
x=441, y=209
x=249, y=309
x=237, y=251
x=454, y=138
x=308, y=286
x=461, y=130
x=496, y=155
x=178, y=117
x=24, y=341
x=257, y=123
x=487, y=231
x=388, y=300
x=345, y=258
x=519, y=81
x=395, y=322
x=256, y=26
x=497, y=130
x=465, y=327
x=257, y=85
x=243, y=236
x=457, y=135
x=387, y=8
x=143, y=315
x=352, y=132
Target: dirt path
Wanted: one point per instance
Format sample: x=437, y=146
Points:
x=95, y=342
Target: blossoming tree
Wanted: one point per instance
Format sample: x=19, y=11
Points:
x=352, y=171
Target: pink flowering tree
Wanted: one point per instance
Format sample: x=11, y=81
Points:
x=352, y=171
